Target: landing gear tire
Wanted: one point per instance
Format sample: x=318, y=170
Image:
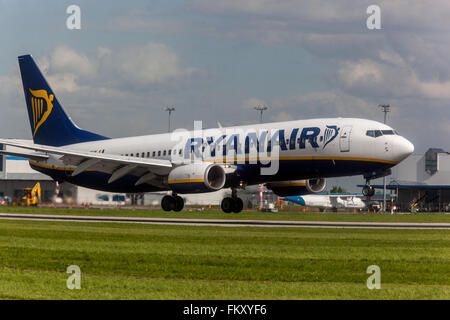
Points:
x=168, y=203
x=179, y=203
x=227, y=205
x=172, y=203
x=238, y=205
x=368, y=191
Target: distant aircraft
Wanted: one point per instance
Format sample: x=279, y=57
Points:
x=330, y=201
x=277, y=154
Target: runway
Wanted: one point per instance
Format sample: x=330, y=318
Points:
x=227, y=222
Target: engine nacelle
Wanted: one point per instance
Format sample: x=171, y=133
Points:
x=197, y=178
x=316, y=185
x=297, y=187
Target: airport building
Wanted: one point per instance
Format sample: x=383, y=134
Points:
x=16, y=175
x=421, y=182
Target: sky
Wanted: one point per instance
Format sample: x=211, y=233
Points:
x=216, y=60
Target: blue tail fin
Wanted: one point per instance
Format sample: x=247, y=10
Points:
x=50, y=125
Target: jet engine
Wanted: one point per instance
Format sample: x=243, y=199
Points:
x=316, y=185
x=297, y=187
x=197, y=178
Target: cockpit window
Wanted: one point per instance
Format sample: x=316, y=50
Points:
x=379, y=133
x=370, y=133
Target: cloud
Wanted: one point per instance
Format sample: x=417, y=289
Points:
x=391, y=78
x=148, y=64
x=325, y=104
x=65, y=59
x=143, y=21
x=282, y=116
x=134, y=66
x=7, y=85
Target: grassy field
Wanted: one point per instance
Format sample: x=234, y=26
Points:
x=132, y=261
x=294, y=215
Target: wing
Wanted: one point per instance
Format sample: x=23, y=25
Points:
x=146, y=168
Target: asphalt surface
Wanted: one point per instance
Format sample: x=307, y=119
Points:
x=227, y=223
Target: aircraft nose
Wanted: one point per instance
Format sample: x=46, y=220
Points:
x=404, y=148
x=301, y=201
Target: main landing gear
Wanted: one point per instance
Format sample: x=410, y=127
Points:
x=172, y=203
x=368, y=190
x=232, y=204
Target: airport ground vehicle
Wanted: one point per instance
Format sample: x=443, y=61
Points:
x=5, y=201
x=29, y=196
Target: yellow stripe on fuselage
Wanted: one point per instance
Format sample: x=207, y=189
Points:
x=247, y=159
x=293, y=184
x=185, y=181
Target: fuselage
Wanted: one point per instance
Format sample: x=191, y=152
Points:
x=279, y=151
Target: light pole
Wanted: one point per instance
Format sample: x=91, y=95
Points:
x=261, y=110
x=169, y=109
x=386, y=108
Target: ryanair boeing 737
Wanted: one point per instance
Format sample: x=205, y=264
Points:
x=291, y=158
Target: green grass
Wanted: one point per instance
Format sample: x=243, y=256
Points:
x=132, y=261
x=293, y=215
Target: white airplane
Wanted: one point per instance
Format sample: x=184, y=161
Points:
x=329, y=201
x=276, y=154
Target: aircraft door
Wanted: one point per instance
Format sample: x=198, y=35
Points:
x=344, y=140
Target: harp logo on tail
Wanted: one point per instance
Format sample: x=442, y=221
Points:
x=41, y=106
x=331, y=133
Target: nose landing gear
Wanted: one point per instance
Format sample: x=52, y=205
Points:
x=368, y=190
x=172, y=203
x=232, y=204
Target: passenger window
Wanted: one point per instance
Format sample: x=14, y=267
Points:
x=154, y=154
x=137, y=155
x=143, y=155
x=148, y=154
x=131, y=154
x=159, y=153
x=170, y=152
x=179, y=152
x=164, y=152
